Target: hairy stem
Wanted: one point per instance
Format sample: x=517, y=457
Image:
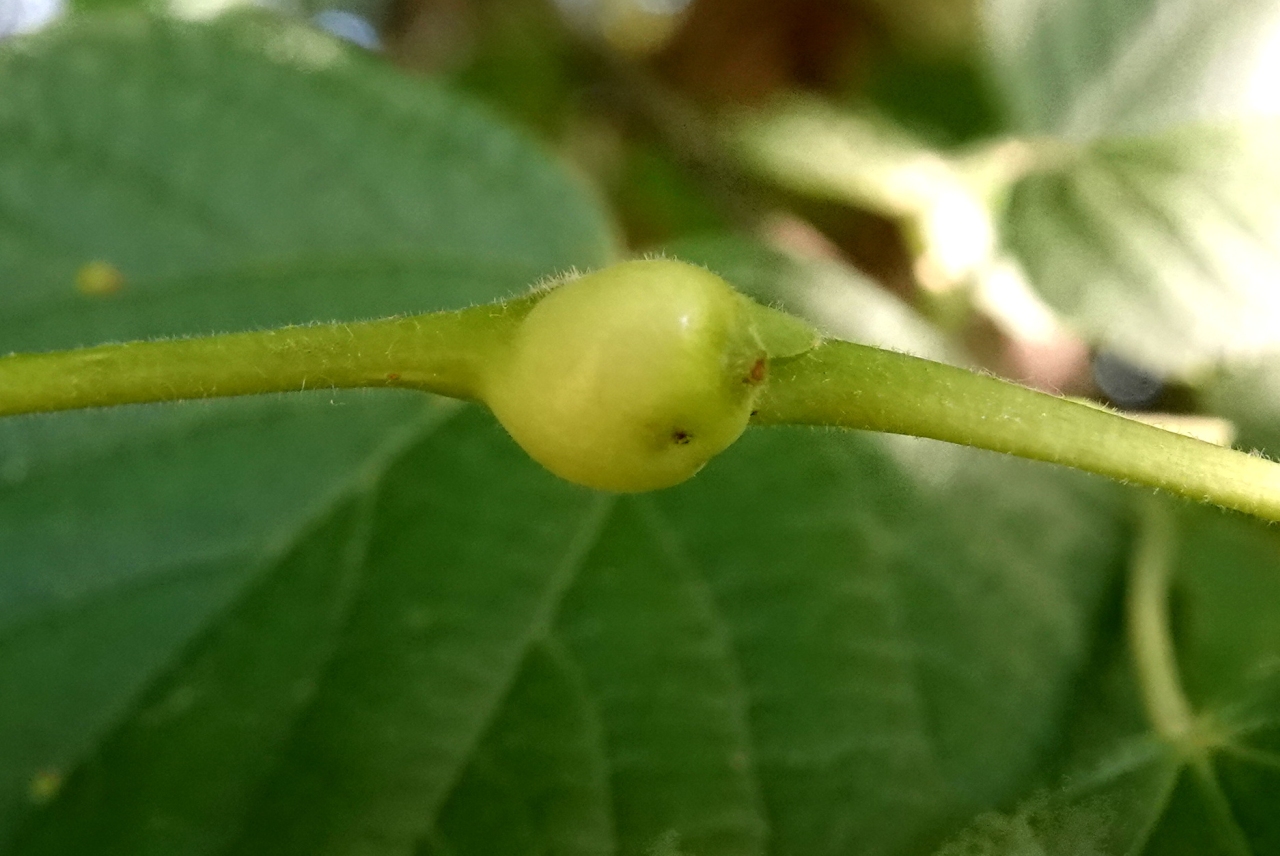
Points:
x=444, y=352
x=854, y=386
x=835, y=383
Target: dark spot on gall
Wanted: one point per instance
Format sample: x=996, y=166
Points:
x=680, y=438
x=759, y=369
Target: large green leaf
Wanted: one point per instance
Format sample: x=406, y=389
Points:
x=238, y=176
x=253, y=175
x=366, y=623
x=1150, y=208
x=1128, y=787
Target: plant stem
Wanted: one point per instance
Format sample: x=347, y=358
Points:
x=443, y=352
x=1147, y=621
x=835, y=383
x=854, y=386
x=1155, y=663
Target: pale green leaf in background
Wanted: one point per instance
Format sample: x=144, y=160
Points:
x=1134, y=181
x=836, y=298
x=1150, y=212
x=1124, y=68
x=1162, y=248
x=862, y=159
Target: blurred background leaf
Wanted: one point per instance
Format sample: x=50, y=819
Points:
x=837, y=299
x=1096, y=69
x=1133, y=180
x=1152, y=216
x=1161, y=248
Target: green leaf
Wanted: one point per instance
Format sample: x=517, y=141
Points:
x=538, y=783
x=1163, y=248
x=142, y=775
x=366, y=622
x=238, y=176
x=816, y=670
x=655, y=655
x=1127, y=788
x=253, y=175
x=862, y=159
x=1148, y=208
x=1126, y=67
x=875, y=599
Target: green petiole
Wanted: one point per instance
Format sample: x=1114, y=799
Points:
x=855, y=386
x=442, y=352
x=477, y=354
